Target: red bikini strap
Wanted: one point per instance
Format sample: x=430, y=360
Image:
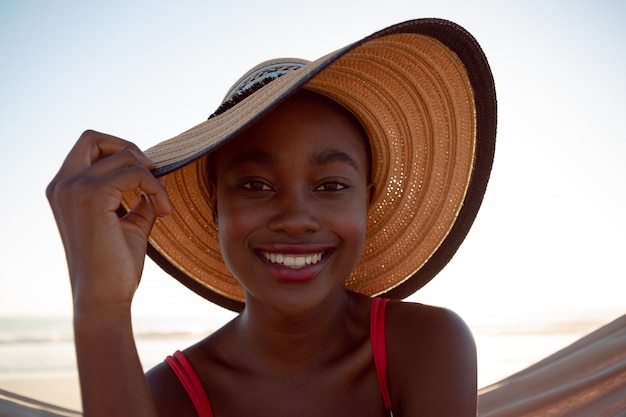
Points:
x=190, y=381
x=379, y=345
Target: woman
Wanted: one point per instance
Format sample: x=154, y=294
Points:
x=314, y=187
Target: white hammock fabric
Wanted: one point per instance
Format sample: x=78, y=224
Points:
x=586, y=379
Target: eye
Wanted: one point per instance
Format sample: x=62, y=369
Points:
x=331, y=186
x=256, y=186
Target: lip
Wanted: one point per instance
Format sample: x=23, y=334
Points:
x=302, y=274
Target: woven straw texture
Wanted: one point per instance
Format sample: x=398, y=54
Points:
x=417, y=101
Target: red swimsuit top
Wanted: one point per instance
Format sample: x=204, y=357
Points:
x=190, y=381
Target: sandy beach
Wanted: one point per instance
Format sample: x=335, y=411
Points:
x=60, y=391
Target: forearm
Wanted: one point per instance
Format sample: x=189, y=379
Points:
x=111, y=376
x=105, y=255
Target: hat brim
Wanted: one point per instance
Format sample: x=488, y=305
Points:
x=422, y=214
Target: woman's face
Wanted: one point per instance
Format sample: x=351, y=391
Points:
x=292, y=196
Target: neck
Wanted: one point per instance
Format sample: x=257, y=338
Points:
x=293, y=344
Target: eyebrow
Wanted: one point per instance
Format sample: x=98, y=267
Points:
x=268, y=159
x=330, y=156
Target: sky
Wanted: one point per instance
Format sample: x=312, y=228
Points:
x=549, y=239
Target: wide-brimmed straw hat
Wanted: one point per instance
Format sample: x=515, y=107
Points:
x=424, y=93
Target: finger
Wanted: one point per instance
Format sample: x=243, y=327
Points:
x=162, y=180
x=123, y=161
x=138, y=178
x=142, y=215
x=120, y=160
x=101, y=187
x=162, y=207
x=93, y=146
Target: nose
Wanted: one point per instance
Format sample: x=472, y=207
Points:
x=294, y=214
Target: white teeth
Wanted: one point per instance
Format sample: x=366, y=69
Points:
x=293, y=261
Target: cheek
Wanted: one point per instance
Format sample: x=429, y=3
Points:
x=232, y=246
x=351, y=227
x=350, y=221
x=234, y=225
x=359, y=229
x=360, y=225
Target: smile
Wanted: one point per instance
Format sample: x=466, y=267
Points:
x=293, y=261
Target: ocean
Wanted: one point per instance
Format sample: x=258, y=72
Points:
x=43, y=347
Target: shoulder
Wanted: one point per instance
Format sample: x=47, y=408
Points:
x=426, y=323
x=169, y=393
x=170, y=397
x=432, y=360
x=428, y=334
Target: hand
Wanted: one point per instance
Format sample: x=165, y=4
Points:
x=105, y=253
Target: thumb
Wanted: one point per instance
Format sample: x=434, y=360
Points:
x=142, y=216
